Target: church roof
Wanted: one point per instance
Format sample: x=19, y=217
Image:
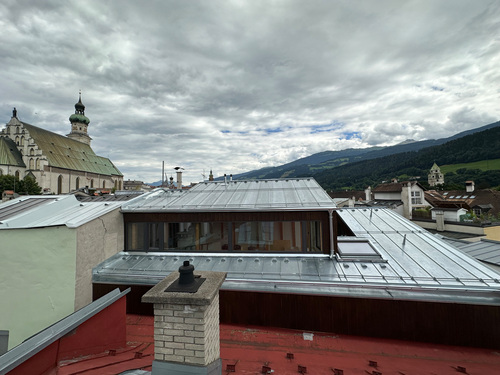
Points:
x=64, y=152
x=9, y=154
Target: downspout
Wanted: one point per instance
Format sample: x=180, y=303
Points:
x=332, y=246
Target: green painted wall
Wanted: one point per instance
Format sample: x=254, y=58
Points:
x=37, y=279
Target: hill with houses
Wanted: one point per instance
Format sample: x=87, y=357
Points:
x=357, y=168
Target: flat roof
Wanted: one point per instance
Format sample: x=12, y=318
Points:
x=247, y=349
x=238, y=195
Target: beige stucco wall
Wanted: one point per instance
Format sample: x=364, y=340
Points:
x=475, y=230
x=37, y=273
x=96, y=241
x=492, y=233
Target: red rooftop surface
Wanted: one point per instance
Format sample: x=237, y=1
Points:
x=257, y=350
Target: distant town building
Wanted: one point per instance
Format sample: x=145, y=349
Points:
x=135, y=185
x=402, y=197
x=59, y=164
x=435, y=177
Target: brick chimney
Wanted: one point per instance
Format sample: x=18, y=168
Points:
x=186, y=309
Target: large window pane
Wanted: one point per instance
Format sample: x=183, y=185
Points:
x=248, y=236
x=154, y=236
x=135, y=236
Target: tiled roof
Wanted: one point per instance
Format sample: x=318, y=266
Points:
x=468, y=200
x=393, y=187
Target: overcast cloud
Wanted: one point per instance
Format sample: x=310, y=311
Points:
x=239, y=85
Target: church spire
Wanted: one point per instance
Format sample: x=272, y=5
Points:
x=79, y=123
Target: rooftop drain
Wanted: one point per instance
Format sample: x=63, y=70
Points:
x=187, y=282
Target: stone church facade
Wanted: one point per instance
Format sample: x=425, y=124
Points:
x=59, y=164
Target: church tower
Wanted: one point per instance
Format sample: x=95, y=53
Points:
x=79, y=123
x=435, y=177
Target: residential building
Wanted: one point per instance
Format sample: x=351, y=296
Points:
x=59, y=164
x=49, y=245
x=294, y=260
x=402, y=197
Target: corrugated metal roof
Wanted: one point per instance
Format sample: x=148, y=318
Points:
x=278, y=194
x=52, y=211
x=9, y=154
x=414, y=265
x=64, y=152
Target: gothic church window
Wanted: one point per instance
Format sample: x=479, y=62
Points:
x=59, y=184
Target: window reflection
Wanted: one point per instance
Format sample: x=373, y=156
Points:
x=248, y=236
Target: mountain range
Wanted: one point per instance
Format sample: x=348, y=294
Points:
x=315, y=164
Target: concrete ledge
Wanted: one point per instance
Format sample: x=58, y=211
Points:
x=204, y=296
x=167, y=368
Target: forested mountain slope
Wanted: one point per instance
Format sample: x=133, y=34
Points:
x=323, y=161
x=484, y=145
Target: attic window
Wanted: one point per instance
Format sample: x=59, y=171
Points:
x=452, y=197
x=357, y=251
x=473, y=196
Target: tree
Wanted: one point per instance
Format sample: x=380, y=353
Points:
x=26, y=186
x=29, y=186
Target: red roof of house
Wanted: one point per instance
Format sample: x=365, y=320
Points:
x=394, y=186
x=248, y=349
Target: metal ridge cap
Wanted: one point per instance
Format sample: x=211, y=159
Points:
x=236, y=209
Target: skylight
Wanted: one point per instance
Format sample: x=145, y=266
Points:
x=357, y=250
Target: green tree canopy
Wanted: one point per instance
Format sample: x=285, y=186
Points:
x=27, y=186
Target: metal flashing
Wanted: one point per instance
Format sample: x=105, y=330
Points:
x=41, y=340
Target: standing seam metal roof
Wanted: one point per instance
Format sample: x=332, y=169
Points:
x=277, y=194
x=414, y=265
x=51, y=210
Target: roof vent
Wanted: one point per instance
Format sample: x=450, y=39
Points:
x=187, y=281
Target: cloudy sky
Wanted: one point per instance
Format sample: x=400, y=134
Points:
x=234, y=86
